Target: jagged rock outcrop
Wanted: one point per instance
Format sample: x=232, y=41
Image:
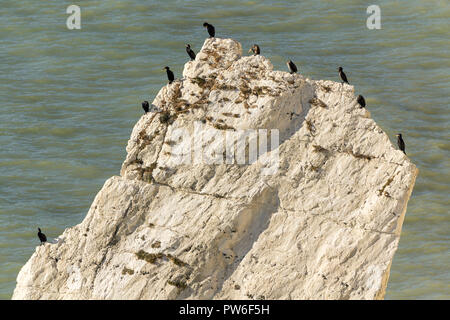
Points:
x=318, y=217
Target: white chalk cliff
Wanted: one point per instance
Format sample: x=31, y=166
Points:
x=318, y=217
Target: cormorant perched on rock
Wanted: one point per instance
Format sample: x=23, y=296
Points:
x=145, y=106
x=361, y=101
x=292, y=67
x=190, y=52
x=170, y=75
x=400, y=142
x=255, y=49
x=343, y=76
x=41, y=236
x=210, y=28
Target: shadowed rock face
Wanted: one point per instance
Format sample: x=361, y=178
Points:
x=319, y=217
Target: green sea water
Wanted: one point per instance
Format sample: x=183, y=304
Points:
x=69, y=100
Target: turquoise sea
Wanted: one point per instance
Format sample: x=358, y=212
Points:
x=69, y=100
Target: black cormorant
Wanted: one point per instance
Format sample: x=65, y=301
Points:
x=255, y=49
x=210, y=28
x=41, y=236
x=361, y=101
x=400, y=142
x=170, y=75
x=292, y=67
x=145, y=106
x=190, y=52
x=343, y=76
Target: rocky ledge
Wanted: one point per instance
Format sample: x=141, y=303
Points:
x=317, y=215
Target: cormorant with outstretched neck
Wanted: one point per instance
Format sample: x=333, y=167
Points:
x=190, y=52
x=255, y=49
x=170, y=75
x=343, y=76
x=145, y=106
x=41, y=236
x=400, y=142
x=292, y=67
x=361, y=101
x=210, y=28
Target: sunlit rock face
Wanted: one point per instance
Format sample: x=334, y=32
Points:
x=241, y=183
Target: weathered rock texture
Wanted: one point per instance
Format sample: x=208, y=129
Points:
x=324, y=225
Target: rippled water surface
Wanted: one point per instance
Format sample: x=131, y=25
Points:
x=69, y=100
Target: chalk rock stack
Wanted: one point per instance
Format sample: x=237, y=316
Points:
x=241, y=183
